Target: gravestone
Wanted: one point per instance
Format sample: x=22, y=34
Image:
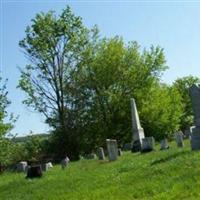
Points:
x=127, y=147
x=164, y=144
x=179, y=139
x=34, y=171
x=138, y=132
x=90, y=156
x=119, y=152
x=46, y=166
x=64, y=162
x=195, y=98
x=22, y=166
x=148, y=144
x=112, y=149
x=50, y=165
x=100, y=153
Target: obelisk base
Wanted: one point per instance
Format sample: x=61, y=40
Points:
x=137, y=146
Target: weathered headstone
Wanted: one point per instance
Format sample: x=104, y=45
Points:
x=100, y=153
x=138, y=132
x=120, y=152
x=148, y=144
x=65, y=162
x=21, y=166
x=50, y=165
x=164, y=144
x=46, y=166
x=34, y=171
x=179, y=139
x=112, y=149
x=195, y=98
x=90, y=156
x=127, y=147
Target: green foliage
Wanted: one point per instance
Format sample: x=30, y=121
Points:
x=183, y=85
x=33, y=148
x=5, y=127
x=83, y=83
x=161, y=112
x=166, y=175
x=55, y=46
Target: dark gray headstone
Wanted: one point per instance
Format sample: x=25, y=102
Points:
x=195, y=98
x=34, y=171
x=112, y=149
x=148, y=144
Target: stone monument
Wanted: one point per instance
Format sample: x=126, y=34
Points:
x=46, y=166
x=65, y=162
x=34, y=171
x=100, y=153
x=195, y=98
x=112, y=149
x=164, y=144
x=179, y=139
x=148, y=144
x=138, y=132
x=120, y=152
x=21, y=166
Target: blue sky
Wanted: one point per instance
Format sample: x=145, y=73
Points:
x=175, y=26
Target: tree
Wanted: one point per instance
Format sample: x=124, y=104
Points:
x=117, y=73
x=183, y=85
x=83, y=84
x=161, y=111
x=5, y=143
x=56, y=47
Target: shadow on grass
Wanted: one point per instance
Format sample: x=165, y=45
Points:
x=170, y=157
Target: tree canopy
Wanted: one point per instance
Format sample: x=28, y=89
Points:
x=5, y=127
x=83, y=83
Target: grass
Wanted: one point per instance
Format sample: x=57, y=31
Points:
x=169, y=174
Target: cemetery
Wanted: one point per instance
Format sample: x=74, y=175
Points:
x=114, y=128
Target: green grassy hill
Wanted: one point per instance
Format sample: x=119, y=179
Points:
x=170, y=174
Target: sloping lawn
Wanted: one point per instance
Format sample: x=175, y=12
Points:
x=169, y=174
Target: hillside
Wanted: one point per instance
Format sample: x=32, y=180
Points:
x=170, y=174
